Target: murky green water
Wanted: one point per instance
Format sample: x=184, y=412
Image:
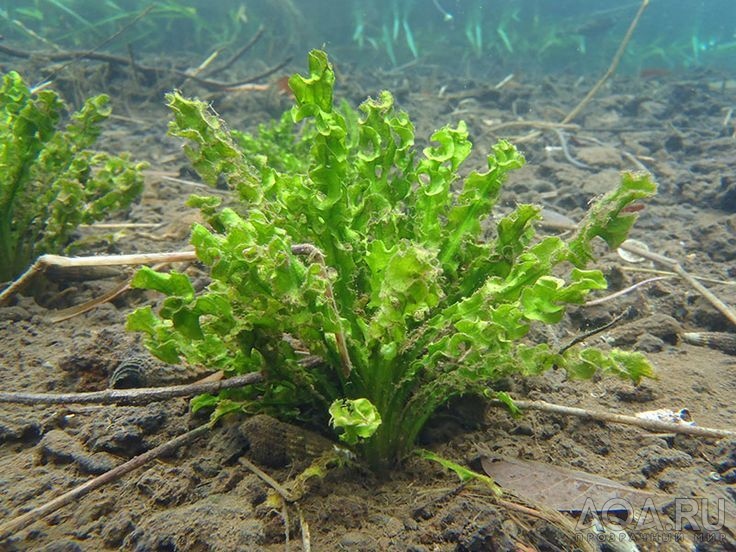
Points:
x=463, y=36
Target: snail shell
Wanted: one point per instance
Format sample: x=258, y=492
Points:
x=722, y=341
x=130, y=373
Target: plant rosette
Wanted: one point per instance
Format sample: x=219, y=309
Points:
x=352, y=246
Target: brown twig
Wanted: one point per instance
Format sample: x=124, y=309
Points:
x=19, y=523
x=133, y=64
x=645, y=270
x=598, y=85
x=652, y=425
x=114, y=293
x=191, y=73
x=675, y=266
x=46, y=261
x=540, y=125
x=237, y=55
x=149, y=71
x=259, y=76
x=585, y=335
x=108, y=40
x=282, y=491
x=143, y=395
x=566, y=151
x=624, y=291
x=76, y=310
x=611, y=68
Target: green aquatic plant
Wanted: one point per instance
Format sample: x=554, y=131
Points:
x=50, y=180
x=354, y=248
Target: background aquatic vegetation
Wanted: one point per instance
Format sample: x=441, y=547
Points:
x=355, y=248
x=51, y=181
x=518, y=35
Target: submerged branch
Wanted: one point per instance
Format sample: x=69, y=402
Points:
x=652, y=425
x=147, y=70
x=131, y=396
x=9, y=528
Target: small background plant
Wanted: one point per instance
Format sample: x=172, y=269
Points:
x=353, y=246
x=50, y=181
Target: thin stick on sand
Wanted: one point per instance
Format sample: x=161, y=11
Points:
x=10, y=528
x=598, y=85
x=144, y=395
x=644, y=423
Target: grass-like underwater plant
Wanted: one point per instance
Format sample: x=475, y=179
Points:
x=50, y=181
x=353, y=246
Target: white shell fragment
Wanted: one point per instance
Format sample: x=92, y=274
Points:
x=628, y=256
x=681, y=417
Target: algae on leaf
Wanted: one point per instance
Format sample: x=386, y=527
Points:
x=368, y=253
x=50, y=181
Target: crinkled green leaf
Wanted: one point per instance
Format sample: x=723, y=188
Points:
x=206, y=204
x=476, y=200
x=357, y=418
x=225, y=407
x=626, y=364
x=314, y=92
x=465, y=474
x=545, y=299
x=172, y=283
x=144, y=320
x=437, y=172
x=213, y=151
x=203, y=401
x=539, y=300
x=606, y=218
x=160, y=340
x=405, y=288
x=508, y=402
